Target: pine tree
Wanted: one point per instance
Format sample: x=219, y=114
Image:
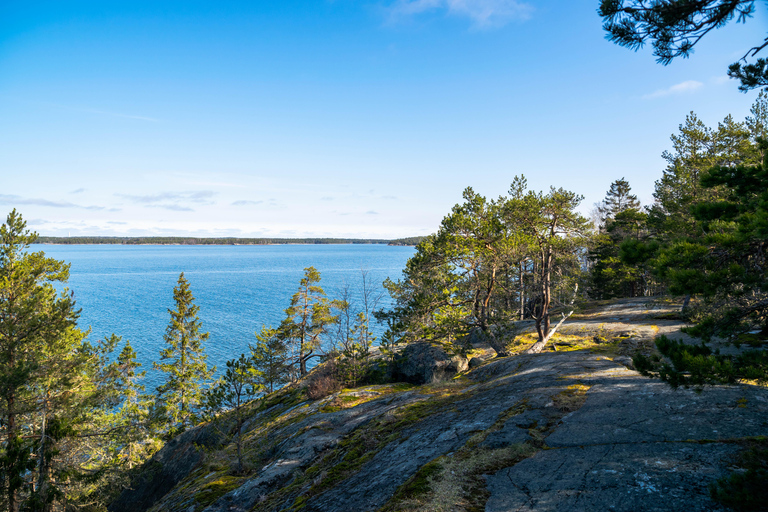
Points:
x=679, y=187
x=269, y=359
x=556, y=233
x=353, y=366
x=57, y=391
x=232, y=391
x=186, y=368
x=757, y=123
x=307, y=320
x=34, y=319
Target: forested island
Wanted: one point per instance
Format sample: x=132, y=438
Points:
x=503, y=284
x=178, y=240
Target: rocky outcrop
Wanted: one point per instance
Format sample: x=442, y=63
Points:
x=177, y=459
x=424, y=363
x=597, y=436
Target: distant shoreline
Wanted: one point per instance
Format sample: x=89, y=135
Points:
x=109, y=240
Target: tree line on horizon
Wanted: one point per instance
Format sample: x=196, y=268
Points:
x=180, y=240
x=74, y=416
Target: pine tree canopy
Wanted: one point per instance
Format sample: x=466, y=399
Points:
x=674, y=27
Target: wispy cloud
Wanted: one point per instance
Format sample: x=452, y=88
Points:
x=371, y=212
x=78, y=191
x=174, y=201
x=172, y=207
x=19, y=200
x=482, y=13
x=686, y=87
x=245, y=202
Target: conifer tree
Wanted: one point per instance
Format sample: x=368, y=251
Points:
x=556, y=232
x=617, y=200
x=623, y=221
x=33, y=319
x=757, y=123
x=57, y=391
x=269, y=359
x=186, y=368
x=232, y=391
x=353, y=366
x=679, y=187
x=307, y=320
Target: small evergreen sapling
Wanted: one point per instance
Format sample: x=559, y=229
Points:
x=269, y=359
x=232, y=391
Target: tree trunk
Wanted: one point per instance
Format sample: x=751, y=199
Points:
x=539, y=345
x=686, y=302
x=239, y=437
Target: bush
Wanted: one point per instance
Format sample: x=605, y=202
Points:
x=745, y=490
x=321, y=386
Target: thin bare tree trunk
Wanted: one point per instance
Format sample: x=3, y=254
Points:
x=539, y=345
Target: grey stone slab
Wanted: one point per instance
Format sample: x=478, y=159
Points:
x=637, y=409
x=626, y=478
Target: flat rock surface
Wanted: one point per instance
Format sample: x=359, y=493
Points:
x=635, y=444
x=622, y=477
x=608, y=438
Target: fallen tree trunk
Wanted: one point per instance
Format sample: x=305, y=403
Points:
x=539, y=345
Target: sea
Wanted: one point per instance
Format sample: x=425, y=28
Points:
x=127, y=290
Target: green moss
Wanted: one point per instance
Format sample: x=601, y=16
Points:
x=455, y=482
x=419, y=484
x=214, y=490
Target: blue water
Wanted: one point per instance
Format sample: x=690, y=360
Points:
x=127, y=290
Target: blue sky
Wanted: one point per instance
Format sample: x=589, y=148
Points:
x=348, y=118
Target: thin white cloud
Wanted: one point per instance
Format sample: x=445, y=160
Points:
x=175, y=201
x=12, y=199
x=172, y=207
x=482, y=13
x=686, y=87
x=246, y=202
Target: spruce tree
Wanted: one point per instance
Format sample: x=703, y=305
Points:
x=185, y=362
x=617, y=199
x=622, y=222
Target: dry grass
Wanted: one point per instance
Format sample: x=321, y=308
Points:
x=571, y=398
x=455, y=483
x=566, y=341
